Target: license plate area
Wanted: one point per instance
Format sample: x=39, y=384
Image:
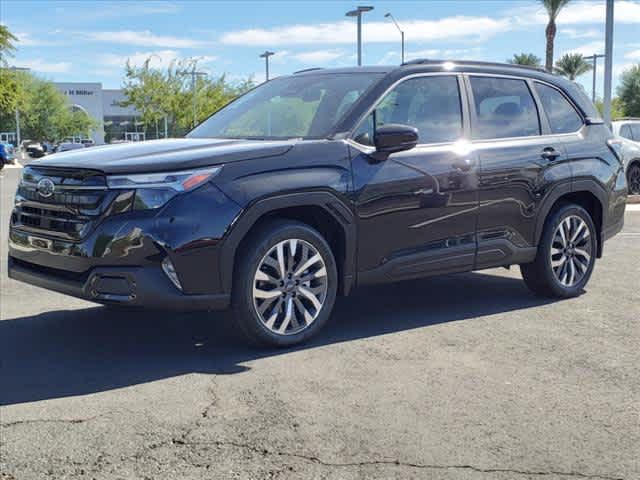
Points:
x=40, y=243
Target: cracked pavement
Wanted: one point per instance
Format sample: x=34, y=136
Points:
x=460, y=377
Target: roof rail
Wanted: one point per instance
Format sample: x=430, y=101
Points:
x=308, y=70
x=628, y=118
x=428, y=61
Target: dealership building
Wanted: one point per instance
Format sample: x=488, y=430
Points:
x=115, y=122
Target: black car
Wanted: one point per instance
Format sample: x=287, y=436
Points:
x=317, y=182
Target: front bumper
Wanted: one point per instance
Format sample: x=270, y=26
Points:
x=119, y=260
x=128, y=286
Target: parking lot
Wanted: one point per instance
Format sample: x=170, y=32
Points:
x=459, y=377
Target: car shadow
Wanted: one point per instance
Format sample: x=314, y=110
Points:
x=76, y=352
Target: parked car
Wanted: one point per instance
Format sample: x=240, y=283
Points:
x=66, y=146
x=35, y=150
x=7, y=154
x=87, y=142
x=629, y=128
x=315, y=183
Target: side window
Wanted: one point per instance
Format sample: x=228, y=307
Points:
x=625, y=131
x=562, y=117
x=635, y=130
x=431, y=104
x=504, y=108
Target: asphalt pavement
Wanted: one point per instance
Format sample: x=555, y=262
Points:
x=458, y=377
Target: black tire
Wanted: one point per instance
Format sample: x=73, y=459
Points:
x=251, y=257
x=633, y=179
x=539, y=275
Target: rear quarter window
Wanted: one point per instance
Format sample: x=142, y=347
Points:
x=561, y=115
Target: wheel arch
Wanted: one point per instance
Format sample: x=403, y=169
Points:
x=587, y=193
x=324, y=211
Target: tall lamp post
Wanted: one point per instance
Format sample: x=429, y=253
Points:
x=266, y=56
x=608, y=62
x=388, y=15
x=18, y=139
x=358, y=13
x=194, y=75
x=594, y=58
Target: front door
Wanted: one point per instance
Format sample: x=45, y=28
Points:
x=416, y=210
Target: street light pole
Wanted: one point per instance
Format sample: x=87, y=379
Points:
x=388, y=15
x=608, y=62
x=358, y=13
x=266, y=56
x=18, y=139
x=594, y=58
x=194, y=75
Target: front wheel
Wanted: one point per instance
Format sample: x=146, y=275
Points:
x=566, y=254
x=285, y=284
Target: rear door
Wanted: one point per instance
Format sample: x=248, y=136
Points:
x=519, y=163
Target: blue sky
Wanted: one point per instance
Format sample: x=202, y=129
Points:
x=90, y=41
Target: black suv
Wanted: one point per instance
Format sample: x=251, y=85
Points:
x=323, y=180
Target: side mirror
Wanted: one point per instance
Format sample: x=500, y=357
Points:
x=392, y=138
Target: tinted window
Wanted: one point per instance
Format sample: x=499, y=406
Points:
x=635, y=130
x=431, y=104
x=625, y=131
x=562, y=117
x=504, y=108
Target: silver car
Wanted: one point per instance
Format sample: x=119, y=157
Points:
x=628, y=129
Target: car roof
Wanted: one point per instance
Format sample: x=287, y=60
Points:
x=572, y=89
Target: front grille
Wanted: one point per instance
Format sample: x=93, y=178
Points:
x=79, y=198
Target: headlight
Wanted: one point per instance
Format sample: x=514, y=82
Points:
x=153, y=190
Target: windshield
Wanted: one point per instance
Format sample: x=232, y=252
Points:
x=305, y=106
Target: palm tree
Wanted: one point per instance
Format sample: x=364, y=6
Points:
x=553, y=8
x=528, y=59
x=6, y=43
x=572, y=65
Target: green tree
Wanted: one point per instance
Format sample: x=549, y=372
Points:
x=7, y=46
x=572, y=65
x=553, y=8
x=617, y=109
x=159, y=93
x=629, y=91
x=527, y=59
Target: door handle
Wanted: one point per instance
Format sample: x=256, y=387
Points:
x=550, y=153
x=463, y=164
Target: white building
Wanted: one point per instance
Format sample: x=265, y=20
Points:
x=114, y=121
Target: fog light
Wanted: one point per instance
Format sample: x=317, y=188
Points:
x=170, y=271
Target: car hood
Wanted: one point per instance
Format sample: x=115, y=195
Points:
x=164, y=155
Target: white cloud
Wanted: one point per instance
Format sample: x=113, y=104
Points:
x=579, y=33
x=318, y=56
x=579, y=12
x=42, y=66
x=157, y=59
x=26, y=40
x=587, y=49
x=144, y=38
x=633, y=55
x=373, y=32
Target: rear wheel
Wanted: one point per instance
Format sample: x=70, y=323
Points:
x=285, y=284
x=566, y=254
x=633, y=179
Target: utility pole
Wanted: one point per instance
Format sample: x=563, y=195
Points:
x=266, y=56
x=18, y=139
x=608, y=62
x=194, y=74
x=389, y=15
x=358, y=13
x=594, y=58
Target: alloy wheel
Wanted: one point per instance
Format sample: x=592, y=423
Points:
x=571, y=251
x=290, y=286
